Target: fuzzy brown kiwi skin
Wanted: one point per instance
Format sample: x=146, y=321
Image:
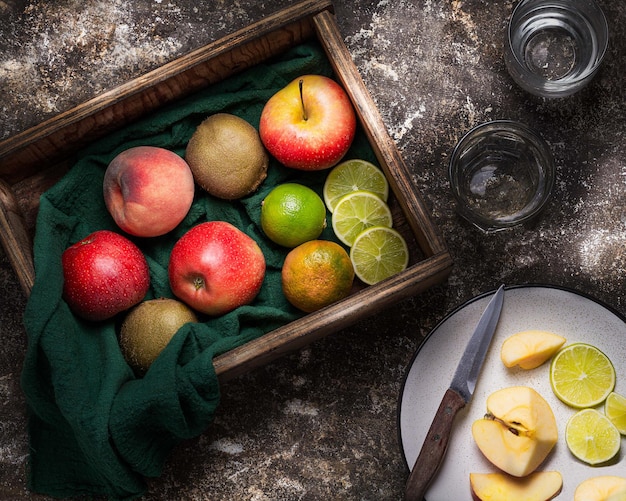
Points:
x=147, y=329
x=226, y=157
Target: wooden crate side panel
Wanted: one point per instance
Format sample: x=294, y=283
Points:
x=15, y=239
x=429, y=238
x=314, y=326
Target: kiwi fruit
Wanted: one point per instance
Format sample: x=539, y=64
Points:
x=149, y=327
x=226, y=156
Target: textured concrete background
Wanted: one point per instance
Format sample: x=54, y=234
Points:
x=321, y=423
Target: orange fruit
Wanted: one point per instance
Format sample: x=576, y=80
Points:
x=316, y=274
x=292, y=214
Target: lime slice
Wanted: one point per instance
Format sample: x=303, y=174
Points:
x=591, y=437
x=354, y=175
x=581, y=375
x=615, y=410
x=358, y=211
x=379, y=253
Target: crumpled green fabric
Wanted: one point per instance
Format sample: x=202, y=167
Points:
x=95, y=428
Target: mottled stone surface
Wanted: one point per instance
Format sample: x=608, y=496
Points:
x=321, y=423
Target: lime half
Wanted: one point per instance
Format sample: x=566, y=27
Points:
x=591, y=437
x=615, y=410
x=358, y=211
x=378, y=253
x=354, y=175
x=581, y=375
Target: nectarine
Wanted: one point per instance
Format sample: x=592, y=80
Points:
x=148, y=190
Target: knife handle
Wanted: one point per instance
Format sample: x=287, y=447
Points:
x=434, y=447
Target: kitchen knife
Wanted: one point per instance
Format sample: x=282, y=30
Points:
x=456, y=397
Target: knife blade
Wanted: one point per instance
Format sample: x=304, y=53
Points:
x=455, y=398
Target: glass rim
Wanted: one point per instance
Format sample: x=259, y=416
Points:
x=530, y=136
x=558, y=87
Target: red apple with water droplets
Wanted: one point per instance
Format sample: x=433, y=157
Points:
x=215, y=268
x=104, y=274
x=309, y=124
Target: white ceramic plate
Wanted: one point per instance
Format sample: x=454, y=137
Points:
x=570, y=314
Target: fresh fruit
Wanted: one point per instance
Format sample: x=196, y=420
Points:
x=148, y=190
x=615, y=410
x=601, y=488
x=518, y=431
x=227, y=157
x=537, y=486
x=581, y=375
x=104, y=274
x=530, y=349
x=379, y=253
x=591, y=437
x=149, y=327
x=358, y=211
x=354, y=175
x=309, y=124
x=316, y=274
x=215, y=267
x=292, y=214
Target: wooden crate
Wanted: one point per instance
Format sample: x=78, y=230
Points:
x=32, y=161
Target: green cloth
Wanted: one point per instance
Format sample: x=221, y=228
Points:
x=95, y=428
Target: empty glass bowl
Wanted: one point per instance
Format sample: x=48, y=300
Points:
x=502, y=174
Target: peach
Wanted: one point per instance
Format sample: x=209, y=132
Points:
x=148, y=190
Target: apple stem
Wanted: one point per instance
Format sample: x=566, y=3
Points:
x=304, y=115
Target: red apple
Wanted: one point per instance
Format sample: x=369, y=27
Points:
x=104, y=274
x=148, y=190
x=309, y=124
x=215, y=267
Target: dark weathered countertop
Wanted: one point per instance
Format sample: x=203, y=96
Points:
x=321, y=423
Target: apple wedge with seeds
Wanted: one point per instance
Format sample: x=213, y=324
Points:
x=518, y=431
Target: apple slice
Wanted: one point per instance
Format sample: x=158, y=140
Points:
x=601, y=488
x=530, y=349
x=538, y=486
x=518, y=432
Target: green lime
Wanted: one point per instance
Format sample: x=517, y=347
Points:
x=581, y=375
x=591, y=437
x=615, y=410
x=378, y=253
x=292, y=214
x=354, y=175
x=358, y=211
